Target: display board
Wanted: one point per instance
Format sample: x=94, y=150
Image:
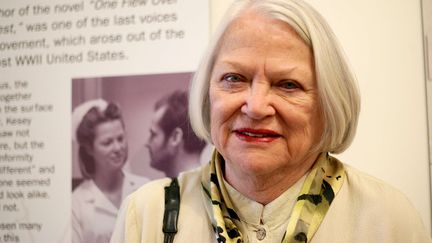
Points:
x=56, y=55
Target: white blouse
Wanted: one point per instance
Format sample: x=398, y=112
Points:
x=93, y=214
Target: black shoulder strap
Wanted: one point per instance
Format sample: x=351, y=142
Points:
x=172, y=208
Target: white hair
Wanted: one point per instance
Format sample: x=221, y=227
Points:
x=337, y=87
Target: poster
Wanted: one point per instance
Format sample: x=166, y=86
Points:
x=48, y=50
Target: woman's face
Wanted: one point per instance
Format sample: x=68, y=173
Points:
x=109, y=146
x=265, y=112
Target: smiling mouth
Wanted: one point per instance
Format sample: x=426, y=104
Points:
x=118, y=158
x=259, y=135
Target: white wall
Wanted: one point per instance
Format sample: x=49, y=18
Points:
x=383, y=41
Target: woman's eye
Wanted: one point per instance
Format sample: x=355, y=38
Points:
x=232, y=77
x=106, y=142
x=289, y=84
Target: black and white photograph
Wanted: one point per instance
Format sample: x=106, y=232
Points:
x=126, y=131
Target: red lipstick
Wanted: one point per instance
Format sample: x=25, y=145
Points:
x=256, y=135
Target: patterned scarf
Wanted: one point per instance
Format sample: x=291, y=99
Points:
x=318, y=191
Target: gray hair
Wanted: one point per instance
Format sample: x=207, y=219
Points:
x=337, y=87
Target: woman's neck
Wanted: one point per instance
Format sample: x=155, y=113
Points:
x=109, y=182
x=265, y=188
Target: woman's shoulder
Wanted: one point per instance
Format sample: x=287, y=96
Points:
x=367, y=209
x=143, y=210
x=370, y=186
x=153, y=191
x=132, y=182
x=371, y=196
x=84, y=190
x=84, y=197
x=149, y=199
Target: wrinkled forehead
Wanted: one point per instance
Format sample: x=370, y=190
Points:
x=251, y=28
x=289, y=13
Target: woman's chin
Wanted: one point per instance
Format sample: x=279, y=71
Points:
x=255, y=163
x=118, y=164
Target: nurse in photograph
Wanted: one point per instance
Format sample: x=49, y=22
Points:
x=103, y=150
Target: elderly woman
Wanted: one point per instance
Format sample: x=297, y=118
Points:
x=101, y=137
x=275, y=96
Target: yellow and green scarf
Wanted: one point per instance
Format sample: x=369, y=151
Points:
x=318, y=191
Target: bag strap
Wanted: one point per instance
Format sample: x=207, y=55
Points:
x=172, y=208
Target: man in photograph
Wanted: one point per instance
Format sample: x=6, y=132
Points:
x=173, y=146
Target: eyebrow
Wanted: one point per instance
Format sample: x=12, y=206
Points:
x=227, y=62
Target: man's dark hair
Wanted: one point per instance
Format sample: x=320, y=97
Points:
x=176, y=115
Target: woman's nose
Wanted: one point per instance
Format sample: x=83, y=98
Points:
x=258, y=103
x=118, y=145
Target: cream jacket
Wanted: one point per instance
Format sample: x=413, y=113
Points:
x=366, y=210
